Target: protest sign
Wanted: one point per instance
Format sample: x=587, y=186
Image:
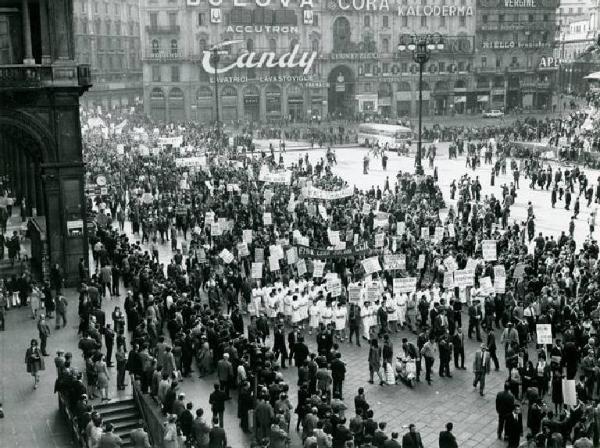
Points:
x=451, y=231
x=242, y=249
x=326, y=195
x=247, y=235
x=318, y=267
x=379, y=239
x=371, y=265
x=334, y=286
x=267, y=219
x=464, y=278
x=425, y=233
x=486, y=285
x=373, y=292
x=406, y=284
x=400, y=228
x=439, y=234
x=226, y=256
x=334, y=237
x=448, y=280
x=569, y=392
x=544, y=333
x=450, y=264
x=354, y=294
x=215, y=229
x=273, y=263
x=257, y=269
x=488, y=249
x=421, y=261
x=244, y=198
x=301, y=266
x=259, y=254
x=292, y=255
x=394, y=261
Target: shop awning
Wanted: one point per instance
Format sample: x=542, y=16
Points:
x=593, y=76
x=460, y=99
x=483, y=98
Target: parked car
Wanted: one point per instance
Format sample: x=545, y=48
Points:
x=493, y=114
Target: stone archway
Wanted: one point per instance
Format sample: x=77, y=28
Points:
x=341, y=99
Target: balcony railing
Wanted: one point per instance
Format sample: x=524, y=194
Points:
x=168, y=29
x=170, y=55
x=37, y=76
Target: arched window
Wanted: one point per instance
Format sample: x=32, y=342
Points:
x=174, y=46
x=155, y=46
x=250, y=45
x=367, y=20
x=341, y=34
x=202, y=44
x=272, y=45
x=315, y=45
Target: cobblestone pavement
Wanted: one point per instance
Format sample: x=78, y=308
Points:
x=32, y=418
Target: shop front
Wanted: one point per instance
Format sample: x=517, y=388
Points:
x=341, y=99
x=295, y=102
x=251, y=101
x=384, y=99
x=158, y=105
x=318, y=104
x=205, y=100
x=229, y=112
x=498, y=95
x=176, y=105
x=441, y=95
x=403, y=99
x=273, y=102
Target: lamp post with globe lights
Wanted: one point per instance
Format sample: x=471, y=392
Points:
x=421, y=47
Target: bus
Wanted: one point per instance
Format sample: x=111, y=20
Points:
x=394, y=135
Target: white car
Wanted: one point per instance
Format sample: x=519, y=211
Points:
x=493, y=114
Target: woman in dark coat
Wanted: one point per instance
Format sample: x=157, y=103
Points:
x=34, y=361
x=557, y=396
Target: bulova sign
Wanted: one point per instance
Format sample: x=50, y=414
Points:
x=267, y=59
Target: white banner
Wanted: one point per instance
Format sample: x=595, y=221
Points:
x=190, y=162
x=325, y=195
x=257, y=269
x=226, y=256
x=175, y=142
x=488, y=249
x=371, y=265
x=278, y=177
x=464, y=278
x=394, y=261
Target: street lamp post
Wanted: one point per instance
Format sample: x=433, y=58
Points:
x=421, y=47
x=215, y=57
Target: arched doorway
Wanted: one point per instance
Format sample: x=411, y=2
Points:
x=403, y=99
x=384, y=99
x=39, y=199
x=341, y=92
x=205, y=99
x=441, y=91
x=176, y=105
x=229, y=104
x=460, y=96
x=252, y=104
x=483, y=93
x=273, y=98
x=295, y=99
x=158, y=105
x=342, y=34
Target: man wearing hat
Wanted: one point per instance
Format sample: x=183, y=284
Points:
x=481, y=367
x=59, y=361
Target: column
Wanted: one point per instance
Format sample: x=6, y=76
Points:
x=39, y=192
x=27, y=48
x=31, y=189
x=262, y=105
x=284, y=102
x=505, y=93
x=394, y=105
x=44, y=29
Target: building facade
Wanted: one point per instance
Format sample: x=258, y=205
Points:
x=573, y=46
x=514, y=63
x=107, y=36
x=327, y=57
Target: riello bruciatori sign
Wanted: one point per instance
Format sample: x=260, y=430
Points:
x=267, y=59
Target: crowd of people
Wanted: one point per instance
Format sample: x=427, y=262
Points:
x=273, y=266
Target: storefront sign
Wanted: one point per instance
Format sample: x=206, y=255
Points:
x=364, y=5
x=509, y=45
x=249, y=29
x=351, y=56
x=259, y=3
x=520, y=3
x=268, y=59
x=309, y=80
x=437, y=11
x=549, y=62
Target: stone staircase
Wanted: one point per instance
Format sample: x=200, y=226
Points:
x=124, y=416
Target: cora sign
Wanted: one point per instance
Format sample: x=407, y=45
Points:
x=268, y=59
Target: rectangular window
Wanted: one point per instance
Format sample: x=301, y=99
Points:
x=461, y=66
x=404, y=67
x=498, y=61
x=386, y=21
x=423, y=20
x=501, y=18
x=175, y=73
x=484, y=18
x=201, y=20
x=315, y=19
x=530, y=18
x=386, y=67
x=172, y=19
x=484, y=62
x=545, y=17
x=442, y=66
x=404, y=21
x=442, y=21
x=156, y=73
x=154, y=20
x=462, y=21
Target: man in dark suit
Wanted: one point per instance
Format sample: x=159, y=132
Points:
x=217, y=437
x=217, y=402
x=360, y=403
x=393, y=442
x=505, y=403
x=447, y=439
x=279, y=345
x=338, y=373
x=514, y=427
x=300, y=352
x=412, y=439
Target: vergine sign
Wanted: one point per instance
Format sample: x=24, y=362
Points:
x=267, y=59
